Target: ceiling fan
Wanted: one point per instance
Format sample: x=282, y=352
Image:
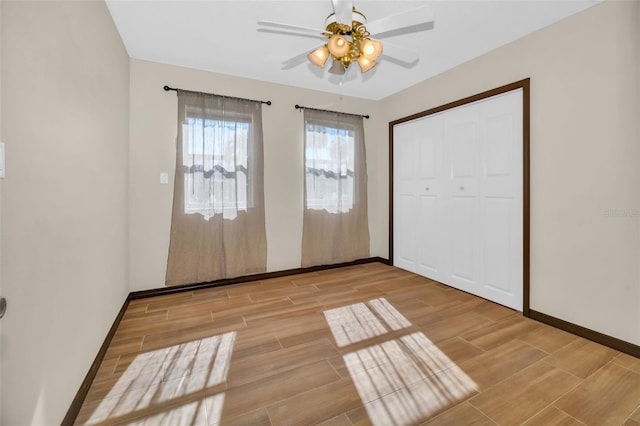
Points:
x=348, y=36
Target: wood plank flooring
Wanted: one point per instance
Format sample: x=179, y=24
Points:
x=361, y=345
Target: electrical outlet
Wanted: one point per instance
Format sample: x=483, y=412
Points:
x=1, y=160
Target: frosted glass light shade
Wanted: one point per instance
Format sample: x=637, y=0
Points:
x=370, y=49
x=337, y=68
x=366, y=64
x=338, y=45
x=319, y=56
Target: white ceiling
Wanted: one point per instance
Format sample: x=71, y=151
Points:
x=222, y=36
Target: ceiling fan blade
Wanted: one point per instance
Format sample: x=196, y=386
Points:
x=296, y=60
x=291, y=33
x=425, y=26
x=399, y=53
x=409, y=18
x=291, y=27
x=343, y=10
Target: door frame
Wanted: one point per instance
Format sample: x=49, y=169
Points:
x=521, y=84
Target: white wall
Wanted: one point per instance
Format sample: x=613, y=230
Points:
x=585, y=158
x=152, y=150
x=64, y=240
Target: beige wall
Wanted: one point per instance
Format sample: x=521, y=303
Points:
x=1, y=293
x=79, y=177
x=585, y=158
x=64, y=202
x=152, y=151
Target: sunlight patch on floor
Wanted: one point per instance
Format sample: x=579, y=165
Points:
x=162, y=376
x=406, y=380
x=400, y=381
x=207, y=411
x=362, y=321
x=187, y=414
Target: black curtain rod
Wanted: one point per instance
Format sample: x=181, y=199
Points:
x=167, y=88
x=326, y=110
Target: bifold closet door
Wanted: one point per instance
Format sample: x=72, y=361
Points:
x=458, y=197
x=418, y=214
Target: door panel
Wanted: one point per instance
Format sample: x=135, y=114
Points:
x=407, y=242
x=462, y=229
x=428, y=229
x=498, y=147
x=496, y=245
x=461, y=151
x=429, y=155
x=405, y=205
x=461, y=136
x=430, y=132
x=405, y=160
x=501, y=158
x=418, y=158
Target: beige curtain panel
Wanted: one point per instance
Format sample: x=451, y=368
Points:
x=218, y=222
x=335, y=227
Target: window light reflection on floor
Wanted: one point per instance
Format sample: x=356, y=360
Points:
x=400, y=381
x=169, y=374
x=192, y=413
x=362, y=321
x=406, y=380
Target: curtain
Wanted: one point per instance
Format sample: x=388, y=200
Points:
x=218, y=223
x=335, y=224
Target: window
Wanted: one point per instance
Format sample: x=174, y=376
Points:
x=216, y=163
x=329, y=166
x=335, y=226
x=218, y=221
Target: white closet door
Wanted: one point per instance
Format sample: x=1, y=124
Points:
x=458, y=197
x=405, y=166
x=418, y=190
x=501, y=215
x=462, y=182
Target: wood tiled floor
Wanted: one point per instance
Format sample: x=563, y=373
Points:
x=362, y=345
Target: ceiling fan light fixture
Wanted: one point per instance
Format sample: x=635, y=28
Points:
x=319, y=56
x=347, y=44
x=338, y=45
x=370, y=49
x=347, y=39
x=366, y=64
x=337, y=68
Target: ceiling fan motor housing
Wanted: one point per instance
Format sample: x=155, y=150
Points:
x=358, y=18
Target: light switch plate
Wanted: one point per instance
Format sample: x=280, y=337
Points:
x=164, y=178
x=1, y=160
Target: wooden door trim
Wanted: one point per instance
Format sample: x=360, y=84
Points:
x=525, y=86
